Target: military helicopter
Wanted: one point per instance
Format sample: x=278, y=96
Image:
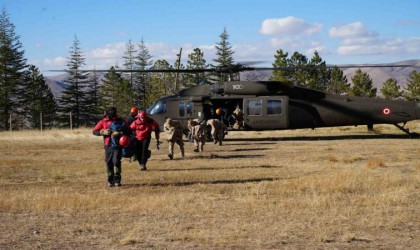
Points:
x=269, y=105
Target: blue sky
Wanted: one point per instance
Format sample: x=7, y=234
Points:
x=368, y=31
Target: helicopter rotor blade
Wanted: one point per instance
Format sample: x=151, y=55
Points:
x=240, y=67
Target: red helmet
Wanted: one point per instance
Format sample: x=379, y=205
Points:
x=143, y=114
x=134, y=110
x=124, y=141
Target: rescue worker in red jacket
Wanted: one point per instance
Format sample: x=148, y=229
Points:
x=112, y=153
x=143, y=127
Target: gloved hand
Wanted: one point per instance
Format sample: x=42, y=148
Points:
x=116, y=133
x=105, y=132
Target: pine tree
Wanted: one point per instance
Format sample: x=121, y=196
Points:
x=72, y=98
x=196, y=61
x=362, y=85
x=390, y=89
x=224, y=58
x=143, y=61
x=40, y=100
x=130, y=61
x=298, y=73
x=116, y=92
x=90, y=100
x=280, y=62
x=161, y=84
x=12, y=71
x=412, y=90
x=338, y=83
x=319, y=75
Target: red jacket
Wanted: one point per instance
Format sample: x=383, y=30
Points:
x=144, y=128
x=103, y=125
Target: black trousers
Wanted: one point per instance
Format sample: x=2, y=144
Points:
x=113, y=164
x=142, y=151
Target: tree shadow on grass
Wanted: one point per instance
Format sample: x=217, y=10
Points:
x=213, y=168
x=215, y=156
x=190, y=183
x=322, y=138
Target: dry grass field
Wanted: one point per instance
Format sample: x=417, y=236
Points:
x=334, y=188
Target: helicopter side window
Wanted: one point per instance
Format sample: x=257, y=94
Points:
x=254, y=107
x=181, y=108
x=157, y=108
x=189, y=109
x=274, y=107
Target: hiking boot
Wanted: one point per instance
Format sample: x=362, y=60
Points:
x=117, y=184
x=110, y=184
x=196, y=150
x=170, y=156
x=143, y=168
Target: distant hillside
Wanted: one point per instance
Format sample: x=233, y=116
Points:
x=378, y=75
x=55, y=83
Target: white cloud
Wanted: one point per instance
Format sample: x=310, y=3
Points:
x=412, y=45
x=293, y=34
x=351, y=31
x=289, y=26
x=317, y=46
x=108, y=51
x=356, y=39
x=58, y=61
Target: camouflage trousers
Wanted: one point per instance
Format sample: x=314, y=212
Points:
x=199, y=143
x=180, y=143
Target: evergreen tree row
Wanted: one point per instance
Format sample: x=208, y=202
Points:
x=26, y=101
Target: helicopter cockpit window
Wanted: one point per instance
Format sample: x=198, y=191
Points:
x=181, y=108
x=274, y=107
x=157, y=108
x=189, y=109
x=254, y=107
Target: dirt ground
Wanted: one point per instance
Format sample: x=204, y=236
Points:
x=324, y=189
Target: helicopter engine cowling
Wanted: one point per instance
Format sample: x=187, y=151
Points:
x=253, y=88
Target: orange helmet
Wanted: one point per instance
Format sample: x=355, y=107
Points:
x=124, y=141
x=219, y=111
x=134, y=110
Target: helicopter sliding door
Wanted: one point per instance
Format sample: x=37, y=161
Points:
x=182, y=110
x=266, y=112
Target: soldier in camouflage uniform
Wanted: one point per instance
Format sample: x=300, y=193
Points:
x=198, y=132
x=238, y=115
x=217, y=130
x=174, y=129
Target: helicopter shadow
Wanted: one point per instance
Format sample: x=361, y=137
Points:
x=324, y=138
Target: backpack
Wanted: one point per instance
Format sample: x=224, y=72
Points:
x=120, y=126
